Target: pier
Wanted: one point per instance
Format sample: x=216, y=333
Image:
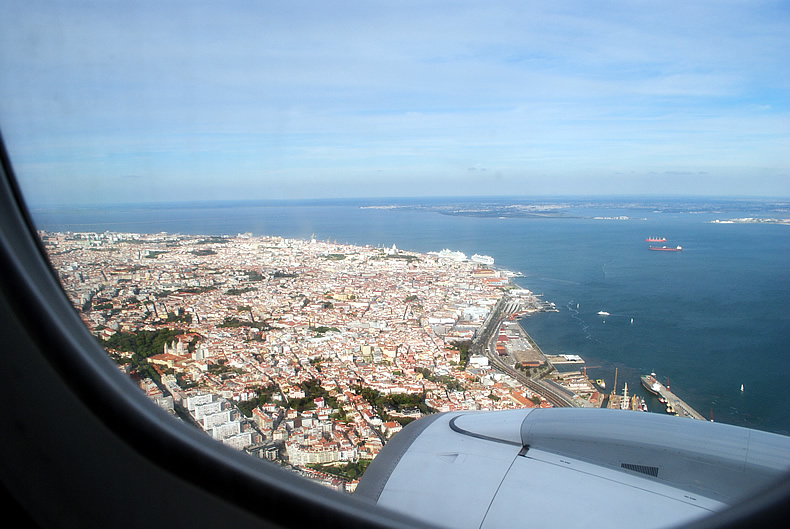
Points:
x=679, y=405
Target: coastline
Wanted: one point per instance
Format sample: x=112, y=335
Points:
x=681, y=408
x=689, y=308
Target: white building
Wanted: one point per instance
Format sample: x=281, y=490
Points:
x=315, y=454
x=214, y=419
x=478, y=361
x=240, y=441
x=194, y=400
x=165, y=402
x=225, y=430
x=202, y=410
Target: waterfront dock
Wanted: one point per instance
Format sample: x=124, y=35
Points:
x=509, y=347
x=681, y=408
x=485, y=343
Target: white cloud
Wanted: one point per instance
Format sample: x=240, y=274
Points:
x=306, y=90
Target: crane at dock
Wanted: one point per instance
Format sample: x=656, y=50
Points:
x=614, y=388
x=585, y=368
x=599, y=381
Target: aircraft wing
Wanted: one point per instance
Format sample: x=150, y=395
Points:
x=567, y=467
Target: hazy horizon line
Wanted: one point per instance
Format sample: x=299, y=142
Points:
x=431, y=198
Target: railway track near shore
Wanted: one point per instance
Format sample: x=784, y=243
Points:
x=484, y=344
x=554, y=396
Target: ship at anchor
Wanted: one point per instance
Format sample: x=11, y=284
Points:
x=666, y=248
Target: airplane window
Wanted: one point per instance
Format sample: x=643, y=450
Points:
x=299, y=228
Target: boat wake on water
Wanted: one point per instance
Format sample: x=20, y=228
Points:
x=574, y=310
x=556, y=280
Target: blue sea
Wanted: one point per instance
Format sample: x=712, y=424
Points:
x=706, y=320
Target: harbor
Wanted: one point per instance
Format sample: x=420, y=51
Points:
x=561, y=378
x=675, y=405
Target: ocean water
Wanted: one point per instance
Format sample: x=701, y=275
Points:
x=707, y=320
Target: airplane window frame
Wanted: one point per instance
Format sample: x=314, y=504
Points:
x=40, y=329
x=30, y=286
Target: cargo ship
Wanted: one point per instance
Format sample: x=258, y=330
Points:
x=656, y=239
x=666, y=249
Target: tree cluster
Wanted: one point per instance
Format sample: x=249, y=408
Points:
x=196, y=290
x=464, y=347
x=264, y=396
x=254, y=275
x=312, y=390
x=395, y=402
x=142, y=343
x=447, y=381
x=348, y=471
x=179, y=316
x=233, y=323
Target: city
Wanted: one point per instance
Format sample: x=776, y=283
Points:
x=308, y=353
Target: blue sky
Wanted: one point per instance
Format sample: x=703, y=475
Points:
x=135, y=101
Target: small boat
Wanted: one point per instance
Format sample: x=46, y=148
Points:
x=602, y=313
x=741, y=387
x=656, y=239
